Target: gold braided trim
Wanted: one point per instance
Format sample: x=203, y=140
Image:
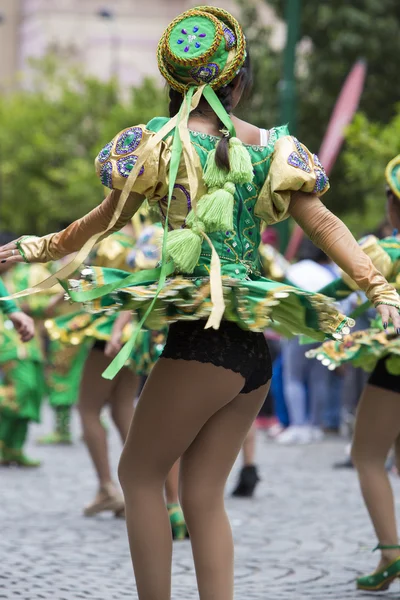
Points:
x=388, y=172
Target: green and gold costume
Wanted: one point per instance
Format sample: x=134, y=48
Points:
x=22, y=385
x=78, y=331
x=251, y=300
x=364, y=348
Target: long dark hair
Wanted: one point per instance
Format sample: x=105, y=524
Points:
x=245, y=77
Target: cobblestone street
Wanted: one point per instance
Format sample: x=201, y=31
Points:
x=305, y=535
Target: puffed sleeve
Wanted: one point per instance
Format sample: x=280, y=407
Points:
x=293, y=168
x=116, y=160
x=113, y=165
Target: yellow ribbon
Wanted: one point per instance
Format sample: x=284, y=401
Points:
x=216, y=290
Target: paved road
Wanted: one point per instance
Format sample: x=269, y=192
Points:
x=305, y=535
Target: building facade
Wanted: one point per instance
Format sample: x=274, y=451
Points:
x=110, y=38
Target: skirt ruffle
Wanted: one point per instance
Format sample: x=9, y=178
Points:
x=361, y=349
x=81, y=327
x=254, y=304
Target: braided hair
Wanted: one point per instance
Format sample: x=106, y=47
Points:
x=225, y=96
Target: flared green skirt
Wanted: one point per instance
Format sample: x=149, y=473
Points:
x=254, y=303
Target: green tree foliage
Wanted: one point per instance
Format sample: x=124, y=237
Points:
x=49, y=137
x=369, y=149
x=262, y=106
x=340, y=32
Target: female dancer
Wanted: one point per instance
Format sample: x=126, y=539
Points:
x=377, y=427
x=213, y=181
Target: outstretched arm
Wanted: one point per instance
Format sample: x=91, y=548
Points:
x=56, y=245
x=334, y=238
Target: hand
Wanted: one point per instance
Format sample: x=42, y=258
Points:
x=23, y=324
x=114, y=345
x=10, y=253
x=388, y=313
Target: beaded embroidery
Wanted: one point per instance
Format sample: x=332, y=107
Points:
x=106, y=174
x=105, y=153
x=205, y=73
x=230, y=38
x=129, y=140
x=321, y=180
x=191, y=37
x=296, y=161
x=126, y=164
x=301, y=150
x=318, y=162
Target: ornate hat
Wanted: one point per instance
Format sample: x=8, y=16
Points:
x=202, y=45
x=392, y=174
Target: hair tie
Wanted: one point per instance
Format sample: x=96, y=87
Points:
x=225, y=133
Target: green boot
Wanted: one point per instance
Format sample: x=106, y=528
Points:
x=62, y=433
x=177, y=520
x=13, y=444
x=10, y=457
x=381, y=580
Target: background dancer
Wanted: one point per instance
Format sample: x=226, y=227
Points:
x=377, y=427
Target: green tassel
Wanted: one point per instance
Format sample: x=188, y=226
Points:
x=215, y=209
x=241, y=170
x=214, y=176
x=184, y=247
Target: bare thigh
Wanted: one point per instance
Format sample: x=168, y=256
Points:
x=377, y=424
x=178, y=399
x=94, y=391
x=207, y=462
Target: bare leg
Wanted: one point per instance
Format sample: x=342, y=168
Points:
x=93, y=395
x=377, y=428
x=249, y=447
x=172, y=485
x=122, y=398
x=204, y=471
x=183, y=395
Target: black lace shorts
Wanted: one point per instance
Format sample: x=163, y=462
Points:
x=381, y=377
x=231, y=347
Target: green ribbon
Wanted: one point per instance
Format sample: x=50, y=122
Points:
x=176, y=152
x=219, y=109
x=140, y=278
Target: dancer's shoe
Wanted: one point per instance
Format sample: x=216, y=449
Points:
x=108, y=499
x=10, y=457
x=177, y=520
x=382, y=579
x=248, y=480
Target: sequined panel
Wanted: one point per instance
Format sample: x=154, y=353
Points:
x=129, y=140
x=318, y=162
x=230, y=38
x=296, y=161
x=301, y=150
x=104, y=154
x=126, y=164
x=106, y=174
x=321, y=181
x=206, y=73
